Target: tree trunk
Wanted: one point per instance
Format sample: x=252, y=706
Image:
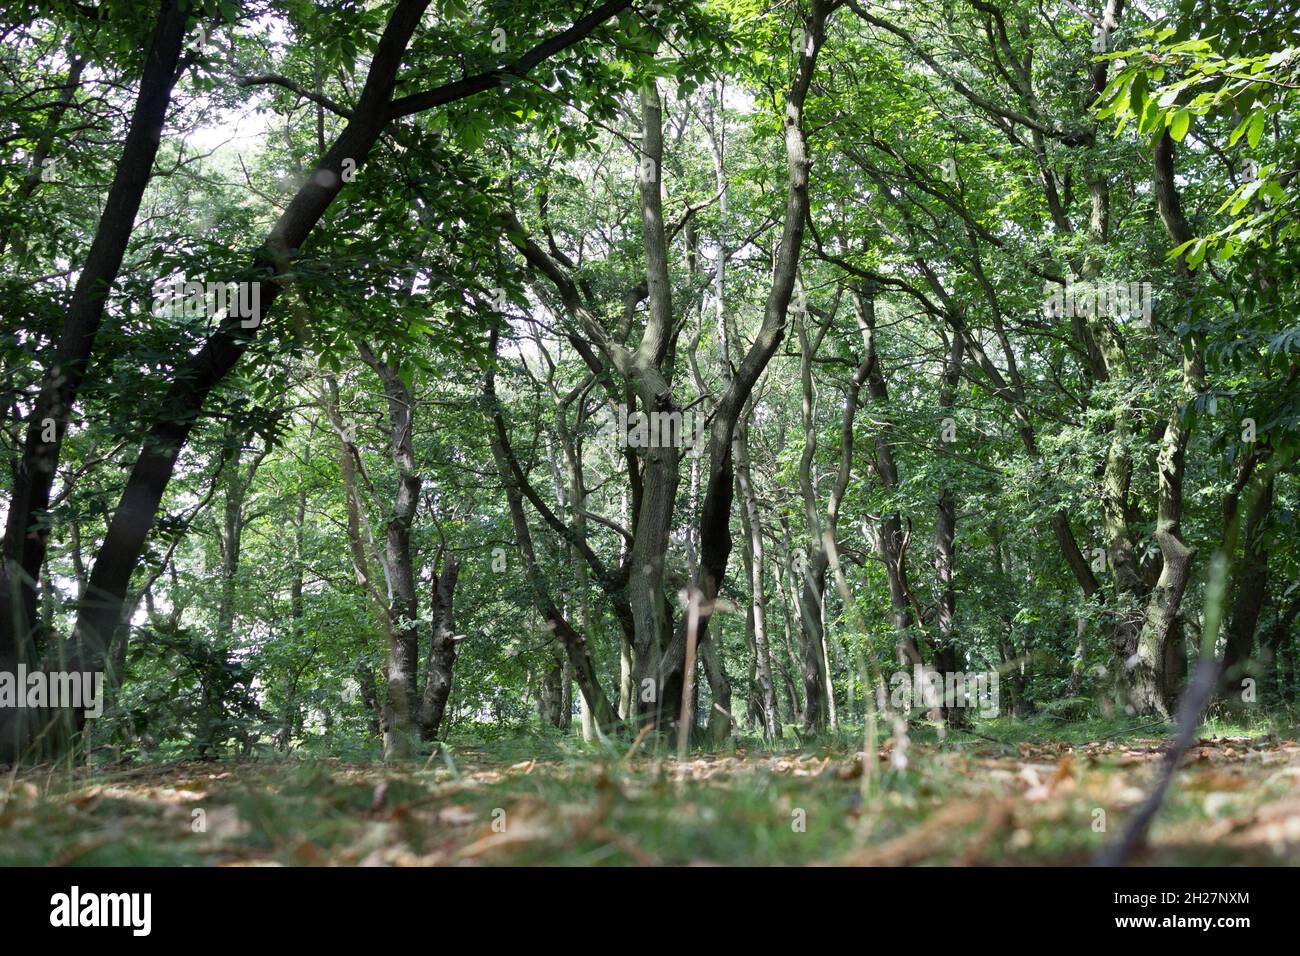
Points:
x=753, y=525
x=946, y=656
x=25, y=535
x=1274, y=648
x=890, y=541
x=1249, y=587
x=550, y=687
x=395, y=712
x=715, y=513
x=1158, y=667
x=811, y=572
x=399, y=567
x=442, y=649
x=789, y=659
x=657, y=690
x=574, y=643
x=719, y=722
x=292, y=712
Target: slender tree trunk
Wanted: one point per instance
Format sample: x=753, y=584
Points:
x=230, y=537
x=715, y=512
x=398, y=564
x=578, y=499
x=719, y=722
x=574, y=643
x=947, y=655
x=1274, y=651
x=789, y=659
x=828, y=670
x=573, y=497
x=811, y=572
x=753, y=525
x=292, y=711
x=25, y=534
x=890, y=540
x=658, y=689
x=238, y=481
x=442, y=649
x=1249, y=587
x=1159, y=664
x=395, y=712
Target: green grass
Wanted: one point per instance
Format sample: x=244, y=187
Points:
x=1008, y=792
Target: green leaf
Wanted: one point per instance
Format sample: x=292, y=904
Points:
x=1236, y=133
x=1256, y=129
x=1179, y=124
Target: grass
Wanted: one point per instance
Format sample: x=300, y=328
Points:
x=1009, y=792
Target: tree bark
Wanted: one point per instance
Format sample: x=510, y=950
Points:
x=395, y=712
x=443, y=644
x=399, y=566
x=657, y=691
x=1159, y=665
x=26, y=532
x=1249, y=584
x=891, y=541
x=811, y=572
x=753, y=525
x=715, y=512
x=946, y=653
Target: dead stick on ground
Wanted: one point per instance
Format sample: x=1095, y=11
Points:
x=686, y=719
x=1206, y=680
x=1193, y=706
x=636, y=744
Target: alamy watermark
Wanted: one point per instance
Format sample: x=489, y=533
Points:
x=74, y=690
x=667, y=429
x=928, y=688
x=1088, y=299
x=75, y=908
x=193, y=299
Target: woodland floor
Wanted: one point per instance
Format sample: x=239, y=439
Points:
x=1016, y=794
